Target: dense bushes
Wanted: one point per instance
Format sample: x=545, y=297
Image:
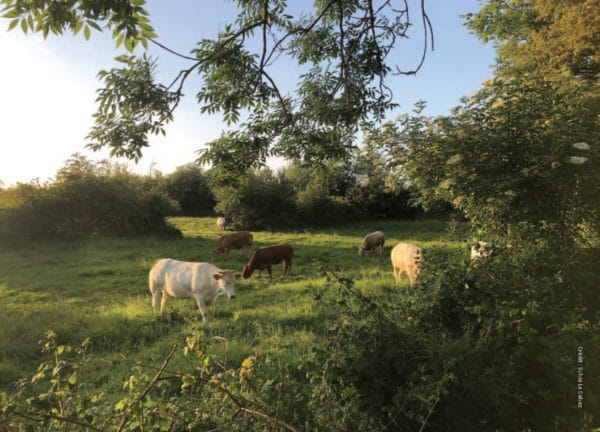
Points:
x=258, y=199
x=486, y=346
x=99, y=198
x=188, y=185
x=86, y=198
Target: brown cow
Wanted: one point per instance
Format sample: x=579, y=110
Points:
x=264, y=257
x=235, y=240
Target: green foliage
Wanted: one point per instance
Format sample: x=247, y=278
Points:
x=543, y=35
x=520, y=152
x=477, y=346
x=127, y=19
x=130, y=106
x=85, y=199
x=341, y=49
x=258, y=200
x=209, y=393
x=188, y=185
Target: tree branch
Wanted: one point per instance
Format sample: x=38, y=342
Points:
x=154, y=380
x=155, y=42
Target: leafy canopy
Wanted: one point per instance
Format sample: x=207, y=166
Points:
x=341, y=48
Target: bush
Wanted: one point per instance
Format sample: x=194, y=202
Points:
x=258, y=200
x=316, y=206
x=189, y=187
x=85, y=199
x=485, y=346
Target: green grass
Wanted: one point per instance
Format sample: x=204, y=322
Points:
x=98, y=288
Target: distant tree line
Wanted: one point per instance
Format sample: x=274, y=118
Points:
x=104, y=198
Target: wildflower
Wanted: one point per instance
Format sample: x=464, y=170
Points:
x=581, y=146
x=577, y=160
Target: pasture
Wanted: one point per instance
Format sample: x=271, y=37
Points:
x=98, y=288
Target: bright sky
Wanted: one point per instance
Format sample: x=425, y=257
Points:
x=47, y=87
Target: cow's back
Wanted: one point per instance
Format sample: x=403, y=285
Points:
x=180, y=278
x=406, y=254
x=275, y=254
x=235, y=240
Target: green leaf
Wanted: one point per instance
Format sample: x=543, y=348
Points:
x=86, y=33
x=129, y=45
x=13, y=24
x=94, y=25
x=24, y=25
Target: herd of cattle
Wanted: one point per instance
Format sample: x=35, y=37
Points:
x=205, y=282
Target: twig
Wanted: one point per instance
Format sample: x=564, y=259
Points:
x=157, y=43
x=73, y=420
x=270, y=418
x=125, y=416
x=429, y=414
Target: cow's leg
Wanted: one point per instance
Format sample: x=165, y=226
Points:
x=163, y=302
x=397, y=274
x=411, y=275
x=155, y=300
x=203, y=308
x=259, y=272
x=270, y=274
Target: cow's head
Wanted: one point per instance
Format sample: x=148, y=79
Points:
x=226, y=282
x=247, y=271
x=361, y=251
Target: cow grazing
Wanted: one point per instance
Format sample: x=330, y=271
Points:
x=407, y=258
x=221, y=222
x=481, y=250
x=236, y=240
x=264, y=257
x=203, y=282
x=373, y=241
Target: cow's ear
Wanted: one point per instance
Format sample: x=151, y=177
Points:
x=218, y=276
x=238, y=275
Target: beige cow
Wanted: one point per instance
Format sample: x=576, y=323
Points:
x=203, y=282
x=407, y=258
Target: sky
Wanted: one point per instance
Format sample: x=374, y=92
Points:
x=47, y=87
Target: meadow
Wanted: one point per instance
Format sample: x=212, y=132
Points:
x=97, y=288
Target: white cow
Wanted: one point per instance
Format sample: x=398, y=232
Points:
x=221, y=223
x=407, y=258
x=203, y=282
x=480, y=250
x=372, y=241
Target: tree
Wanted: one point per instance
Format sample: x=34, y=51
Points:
x=342, y=45
x=543, y=34
x=188, y=185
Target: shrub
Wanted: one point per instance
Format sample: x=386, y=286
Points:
x=317, y=206
x=86, y=198
x=256, y=200
x=189, y=187
x=485, y=346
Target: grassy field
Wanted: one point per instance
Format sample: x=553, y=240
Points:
x=98, y=289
